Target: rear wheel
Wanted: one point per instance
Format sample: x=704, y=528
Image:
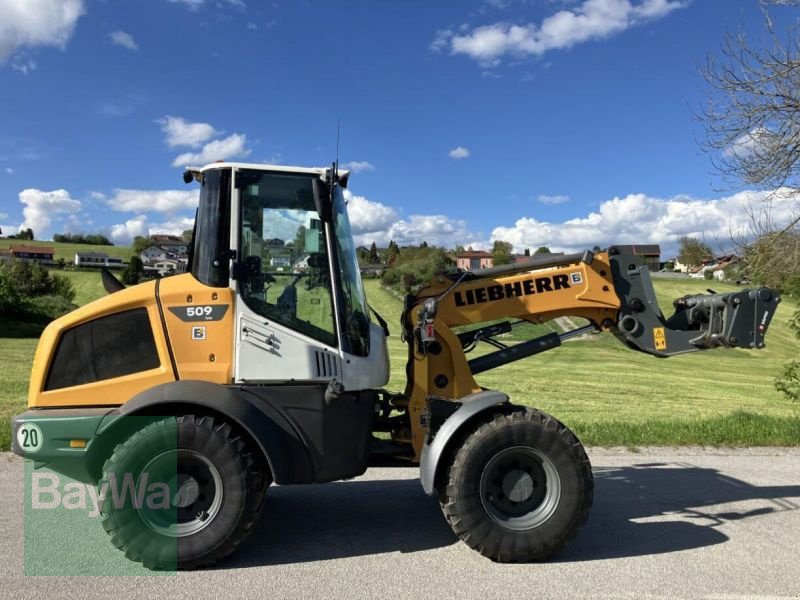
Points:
x=518, y=487
x=182, y=492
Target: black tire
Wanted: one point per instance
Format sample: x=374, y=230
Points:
x=499, y=507
x=216, y=490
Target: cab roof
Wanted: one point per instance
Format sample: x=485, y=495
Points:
x=344, y=174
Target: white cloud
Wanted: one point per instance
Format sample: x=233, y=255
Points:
x=642, y=219
x=9, y=170
x=552, y=200
x=41, y=207
x=376, y=222
x=359, y=166
x=756, y=142
x=174, y=226
x=591, y=20
x=166, y=201
x=366, y=216
x=23, y=65
x=191, y=4
x=121, y=106
x=458, y=153
x=197, y=4
x=233, y=146
x=123, y=233
x=182, y=133
x=121, y=38
x=26, y=24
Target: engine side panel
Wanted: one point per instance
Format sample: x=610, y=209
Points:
x=99, y=386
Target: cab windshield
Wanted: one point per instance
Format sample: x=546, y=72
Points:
x=355, y=311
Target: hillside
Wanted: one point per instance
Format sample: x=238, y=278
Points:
x=67, y=251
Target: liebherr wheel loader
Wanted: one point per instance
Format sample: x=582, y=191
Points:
x=262, y=364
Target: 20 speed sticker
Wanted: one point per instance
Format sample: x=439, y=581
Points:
x=30, y=438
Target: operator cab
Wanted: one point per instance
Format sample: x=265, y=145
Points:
x=280, y=238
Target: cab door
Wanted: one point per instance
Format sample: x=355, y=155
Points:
x=285, y=309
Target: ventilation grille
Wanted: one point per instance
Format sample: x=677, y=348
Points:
x=327, y=364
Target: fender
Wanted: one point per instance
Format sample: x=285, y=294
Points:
x=432, y=452
x=279, y=441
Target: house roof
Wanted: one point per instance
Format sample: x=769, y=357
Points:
x=32, y=249
x=642, y=249
x=474, y=254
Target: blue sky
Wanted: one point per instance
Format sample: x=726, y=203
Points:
x=558, y=122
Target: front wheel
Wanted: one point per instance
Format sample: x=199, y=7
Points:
x=518, y=487
x=182, y=492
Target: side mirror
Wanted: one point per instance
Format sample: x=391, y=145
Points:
x=322, y=200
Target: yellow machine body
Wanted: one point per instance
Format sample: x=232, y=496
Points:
x=184, y=352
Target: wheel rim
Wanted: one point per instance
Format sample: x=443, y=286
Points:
x=520, y=488
x=195, y=493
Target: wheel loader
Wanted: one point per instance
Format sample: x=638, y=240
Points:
x=264, y=364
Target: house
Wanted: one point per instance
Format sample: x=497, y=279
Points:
x=679, y=266
x=281, y=258
x=167, y=267
x=472, y=260
x=373, y=270
x=154, y=254
x=649, y=253
x=521, y=259
x=38, y=254
x=98, y=259
x=274, y=243
x=177, y=247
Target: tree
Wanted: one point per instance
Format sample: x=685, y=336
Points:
x=542, y=250
x=373, y=254
x=392, y=253
x=527, y=251
x=692, y=251
x=753, y=107
x=424, y=244
x=501, y=253
x=752, y=135
x=140, y=244
x=133, y=272
x=187, y=234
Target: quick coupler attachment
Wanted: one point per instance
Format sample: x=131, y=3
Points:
x=735, y=320
x=700, y=322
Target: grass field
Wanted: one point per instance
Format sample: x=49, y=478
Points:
x=612, y=395
x=607, y=393
x=67, y=251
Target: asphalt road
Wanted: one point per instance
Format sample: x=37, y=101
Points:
x=687, y=523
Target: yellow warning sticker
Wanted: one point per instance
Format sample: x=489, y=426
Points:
x=660, y=338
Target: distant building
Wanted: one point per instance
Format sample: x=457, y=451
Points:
x=679, y=266
x=280, y=259
x=649, y=253
x=166, y=267
x=521, y=259
x=178, y=247
x=98, y=259
x=472, y=260
x=38, y=254
x=155, y=254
